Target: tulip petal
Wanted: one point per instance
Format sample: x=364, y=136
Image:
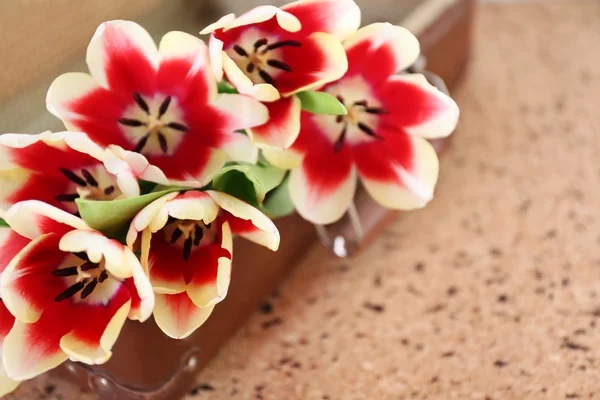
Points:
x=240, y=112
x=122, y=56
x=404, y=180
x=319, y=197
x=140, y=289
x=215, y=51
x=261, y=91
x=284, y=159
x=245, y=211
x=223, y=22
x=283, y=127
x=11, y=243
x=418, y=107
x=32, y=218
x=146, y=216
x=177, y=316
x=339, y=18
x=27, y=285
x=192, y=205
x=379, y=50
x=7, y=321
x=260, y=14
x=320, y=59
x=239, y=148
x=247, y=230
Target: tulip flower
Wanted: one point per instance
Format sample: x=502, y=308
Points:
x=272, y=53
x=160, y=102
x=382, y=138
x=69, y=288
x=186, y=247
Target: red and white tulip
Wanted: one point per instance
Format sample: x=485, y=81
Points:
x=186, y=248
x=69, y=288
x=160, y=102
x=58, y=168
x=272, y=53
x=382, y=139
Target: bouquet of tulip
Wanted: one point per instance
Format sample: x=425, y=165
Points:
x=171, y=150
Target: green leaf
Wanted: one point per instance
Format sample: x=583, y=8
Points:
x=278, y=202
x=3, y=224
x=111, y=216
x=248, y=182
x=321, y=103
x=226, y=87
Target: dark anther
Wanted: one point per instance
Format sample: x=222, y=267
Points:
x=170, y=220
x=374, y=110
x=72, y=177
x=240, y=50
x=250, y=68
x=187, y=248
x=277, y=45
x=89, y=178
x=130, y=122
x=89, y=266
x=266, y=77
x=340, y=98
x=82, y=255
x=108, y=190
x=280, y=65
x=340, y=142
x=140, y=145
x=362, y=103
x=164, y=106
x=339, y=119
x=66, y=197
x=198, y=233
x=71, y=290
x=259, y=43
x=366, y=129
x=89, y=288
x=177, y=126
x=176, y=235
x=65, y=272
x=141, y=102
x=103, y=276
x=162, y=140
x=207, y=225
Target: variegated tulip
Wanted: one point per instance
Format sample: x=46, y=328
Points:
x=272, y=53
x=160, y=102
x=186, y=246
x=69, y=288
x=58, y=168
x=382, y=138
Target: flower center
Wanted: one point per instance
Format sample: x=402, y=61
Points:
x=87, y=276
x=153, y=126
x=261, y=60
x=89, y=186
x=189, y=233
x=358, y=112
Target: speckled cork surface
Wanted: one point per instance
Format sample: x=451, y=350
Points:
x=493, y=291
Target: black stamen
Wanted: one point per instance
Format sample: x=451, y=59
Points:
x=187, y=248
x=280, y=65
x=266, y=77
x=277, y=45
x=170, y=220
x=340, y=98
x=89, y=288
x=339, y=118
x=71, y=290
x=72, y=176
x=108, y=190
x=164, y=106
x=362, y=103
x=176, y=235
x=162, y=140
x=81, y=255
x=141, y=102
x=89, y=266
x=140, y=145
x=103, y=276
x=340, y=142
x=374, y=110
x=65, y=272
x=207, y=225
x=89, y=178
x=177, y=126
x=259, y=43
x=130, y=122
x=240, y=50
x=250, y=68
x=66, y=197
x=198, y=234
x=366, y=129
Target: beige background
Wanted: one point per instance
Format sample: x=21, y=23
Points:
x=492, y=292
